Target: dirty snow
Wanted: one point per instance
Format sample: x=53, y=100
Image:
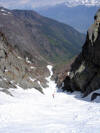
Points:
x=29, y=111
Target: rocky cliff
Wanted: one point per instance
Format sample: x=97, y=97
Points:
x=84, y=74
x=18, y=71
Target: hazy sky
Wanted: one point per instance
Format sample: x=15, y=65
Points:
x=39, y=3
x=29, y=3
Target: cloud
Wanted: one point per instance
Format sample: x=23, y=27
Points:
x=40, y=3
x=31, y=3
x=8, y=3
x=24, y=1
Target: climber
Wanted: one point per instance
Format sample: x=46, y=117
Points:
x=53, y=95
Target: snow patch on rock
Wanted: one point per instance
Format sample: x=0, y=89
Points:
x=5, y=12
x=19, y=57
x=32, y=79
x=28, y=61
x=32, y=67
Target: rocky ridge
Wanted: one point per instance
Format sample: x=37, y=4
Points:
x=16, y=71
x=84, y=74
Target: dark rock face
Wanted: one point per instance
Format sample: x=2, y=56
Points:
x=84, y=74
x=94, y=96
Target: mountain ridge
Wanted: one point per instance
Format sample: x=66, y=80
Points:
x=33, y=42
x=46, y=37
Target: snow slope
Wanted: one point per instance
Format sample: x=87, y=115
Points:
x=29, y=111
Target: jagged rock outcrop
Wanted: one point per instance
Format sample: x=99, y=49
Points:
x=18, y=71
x=84, y=74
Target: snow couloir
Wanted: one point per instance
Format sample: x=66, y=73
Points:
x=29, y=111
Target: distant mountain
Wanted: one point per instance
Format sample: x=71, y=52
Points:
x=80, y=16
x=40, y=39
x=33, y=4
x=73, y=3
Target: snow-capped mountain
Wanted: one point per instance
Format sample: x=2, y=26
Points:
x=73, y=3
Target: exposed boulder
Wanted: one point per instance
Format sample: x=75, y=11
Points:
x=84, y=74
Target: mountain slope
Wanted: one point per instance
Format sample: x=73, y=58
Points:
x=17, y=71
x=28, y=42
x=42, y=39
x=80, y=17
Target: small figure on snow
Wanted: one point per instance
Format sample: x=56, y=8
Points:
x=53, y=95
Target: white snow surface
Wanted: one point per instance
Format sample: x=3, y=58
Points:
x=51, y=90
x=29, y=111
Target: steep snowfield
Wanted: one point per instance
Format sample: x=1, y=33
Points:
x=29, y=111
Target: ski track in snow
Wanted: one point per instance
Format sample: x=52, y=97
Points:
x=29, y=111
